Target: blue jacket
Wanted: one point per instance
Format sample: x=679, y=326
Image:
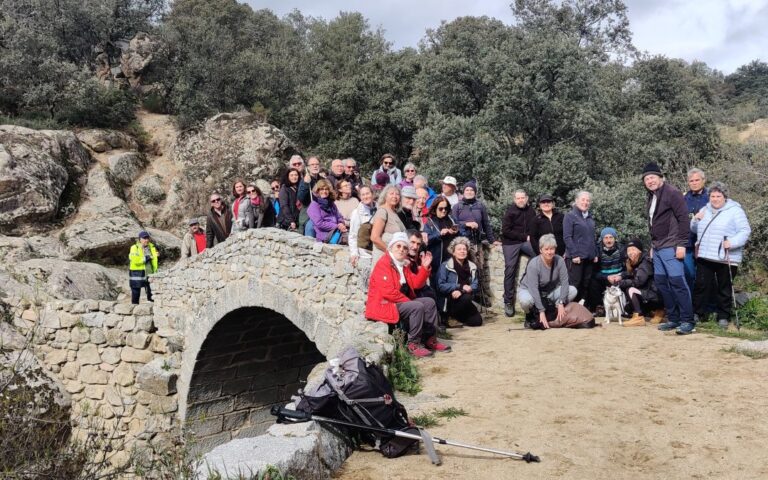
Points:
x=435, y=244
x=464, y=212
x=448, y=281
x=579, y=235
x=695, y=202
x=731, y=222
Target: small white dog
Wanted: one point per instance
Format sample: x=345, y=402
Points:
x=614, y=303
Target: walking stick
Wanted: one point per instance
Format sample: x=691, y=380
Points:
x=733, y=290
x=285, y=415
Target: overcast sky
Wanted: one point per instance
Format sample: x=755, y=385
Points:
x=723, y=33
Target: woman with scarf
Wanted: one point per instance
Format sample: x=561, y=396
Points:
x=457, y=283
x=290, y=206
x=440, y=229
x=637, y=283
x=238, y=203
x=362, y=216
x=258, y=210
x=323, y=212
x=409, y=172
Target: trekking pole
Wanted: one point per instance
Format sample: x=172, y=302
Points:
x=481, y=272
x=733, y=290
x=285, y=415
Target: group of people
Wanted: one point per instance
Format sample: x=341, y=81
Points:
x=425, y=252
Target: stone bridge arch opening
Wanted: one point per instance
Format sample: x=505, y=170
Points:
x=251, y=359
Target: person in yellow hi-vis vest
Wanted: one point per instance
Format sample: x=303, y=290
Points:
x=143, y=260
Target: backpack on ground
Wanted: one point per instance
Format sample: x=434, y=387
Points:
x=358, y=392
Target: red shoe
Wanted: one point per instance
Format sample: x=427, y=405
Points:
x=433, y=344
x=418, y=351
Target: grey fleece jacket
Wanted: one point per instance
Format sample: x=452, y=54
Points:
x=536, y=280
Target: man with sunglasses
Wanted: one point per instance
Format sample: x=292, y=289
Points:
x=219, y=224
x=353, y=176
x=388, y=166
x=297, y=162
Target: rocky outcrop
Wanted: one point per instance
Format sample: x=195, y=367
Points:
x=41, y=173
x=150, y=190
x=105, y=140
x=137, y=57
x=126, y=166
x=71, y=280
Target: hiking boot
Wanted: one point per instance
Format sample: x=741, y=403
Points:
x=637, y=320
x=453, y=323
x=434, y=344
x=509, y=309
x=686, y=328
x=418, y=351
x=658, y=317
x=723, y=323
x=665, y=327
x=530, y=318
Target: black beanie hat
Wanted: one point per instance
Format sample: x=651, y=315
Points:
x=652, y=168
x=635, y=242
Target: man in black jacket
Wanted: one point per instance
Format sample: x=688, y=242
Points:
x=515, y=239
x=669, y=226
x=219, y=223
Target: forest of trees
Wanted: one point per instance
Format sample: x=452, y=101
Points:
x=560, y=101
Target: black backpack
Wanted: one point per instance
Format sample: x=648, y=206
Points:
x=367, y=400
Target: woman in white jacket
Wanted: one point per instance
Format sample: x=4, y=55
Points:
x=722, y=230
x=362, y=214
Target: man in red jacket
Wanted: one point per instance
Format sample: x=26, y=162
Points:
x=391, y=298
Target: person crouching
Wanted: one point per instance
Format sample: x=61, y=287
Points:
x=391, y=298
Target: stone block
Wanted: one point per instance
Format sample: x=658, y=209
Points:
x=106, y=306
x=142, y=309
x=62, y=336
x=219, y=406
x=67, y=320
x=70, y=371
x=92, y=375
x=123, y=375
x=130, y=354
x=145, y=323
x=98, y=337
x=111, y=320
x=247, y=400
x=88, y=355
x=30, y=315
x=117, y=398
x=156, y=403
x=115, y=338
x=128, y=323
x=94, y=392
x=56, y=356
x=139, y=340
x=74, y=387
x=158, y=344
x=80, y=335
x=157, y=377
x=94, y=319
x=123, y=308
x=111, y=356
x=206, y=427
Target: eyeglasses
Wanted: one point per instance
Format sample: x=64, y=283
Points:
x=410, y=170
x=400, y=246
x=215, y=200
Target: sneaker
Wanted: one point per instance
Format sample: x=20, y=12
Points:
x=664, y=327
x=723, y=323
x=509, y=309
x=686, y=328
x=418, y=351
x=434, y=344
x=637, y=320
x=658, y=317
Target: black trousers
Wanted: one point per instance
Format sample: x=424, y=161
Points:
x=713, y=285
x=579, y=276
x=463, y=310
x=136, y=286
x=597, y=286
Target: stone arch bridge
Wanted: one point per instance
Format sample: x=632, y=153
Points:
x=232, y=332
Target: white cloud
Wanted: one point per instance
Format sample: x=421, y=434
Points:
x=723, y=33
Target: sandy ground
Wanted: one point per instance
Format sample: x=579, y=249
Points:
x=608, y=403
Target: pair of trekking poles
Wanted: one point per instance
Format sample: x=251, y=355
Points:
x=285, y=415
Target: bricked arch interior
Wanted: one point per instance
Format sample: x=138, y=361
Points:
x=251, y=359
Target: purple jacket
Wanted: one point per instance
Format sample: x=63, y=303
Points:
x=324, y=220
x=670, y=226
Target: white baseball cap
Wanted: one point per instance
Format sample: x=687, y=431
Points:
x=450, y=181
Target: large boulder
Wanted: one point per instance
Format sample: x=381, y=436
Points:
x=72, y=280
x=104, y=228
x=149, y=190
x=227, y=146
x=125, y=167
x=40, y=175
x=105, y=140
x=137, y=57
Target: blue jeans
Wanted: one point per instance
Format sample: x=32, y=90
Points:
x=309, y=229
x=669, y=275
x=689, y=264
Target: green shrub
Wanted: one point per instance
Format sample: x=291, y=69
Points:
x=403, y=373
x=91, y=104
x=754, y=314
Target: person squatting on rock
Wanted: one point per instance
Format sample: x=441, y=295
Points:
x=219, y=223
x=193, y=242
x=545, y=285
x=722, y=230
x=580, y=246
x=392, y=298
x=669, y=228
x=457, y=283
x=636, y=281
x=143, y=262
x=515, y=240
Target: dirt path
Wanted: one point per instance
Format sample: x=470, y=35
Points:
x=612, y=403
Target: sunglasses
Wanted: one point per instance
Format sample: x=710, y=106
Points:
x=250, y=191
x=297, y=164
x=215, y=200
x=275, y=188
x=349, y=167
x=387, y=163
x=442, y=209
x=410, y=170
